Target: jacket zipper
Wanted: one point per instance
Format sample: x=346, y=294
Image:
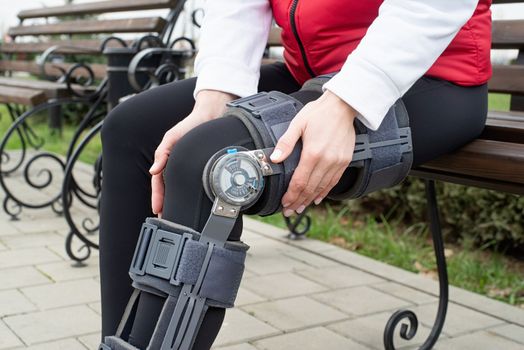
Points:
x=297, y=37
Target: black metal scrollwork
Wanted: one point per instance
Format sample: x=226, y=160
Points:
x=408, y=331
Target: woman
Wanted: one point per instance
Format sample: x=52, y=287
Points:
x=433, y=53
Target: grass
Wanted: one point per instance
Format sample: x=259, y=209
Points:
x=410, y=248
x=55, y=142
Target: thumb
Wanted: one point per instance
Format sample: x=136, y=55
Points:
x=286, y=143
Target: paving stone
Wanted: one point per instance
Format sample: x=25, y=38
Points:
x=360, y=300
x=28, y=240
x=243, y=346
x=68, y=270
x=6, y=228
x=66, y=344
x=281, y=285
x=91, y=341
x=13, y=302
x=2, y=246
x=246, y=297
x=97, y=307
x=510, y=331
x=406, y=293
x=50, y=223
x=369, y=330
x=478, y=341
x=309, y=339
x=25, y=257
x=272, y=263
x=7, y=338
x=314, y=260
x=339, y=276
x=63, y=293
x=60, y=250
x=21, y=277
x=37, y=327
x=240, y=327
x=458, y=318
x=295, y=313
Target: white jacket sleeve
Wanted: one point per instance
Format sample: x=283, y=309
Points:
x=233, y=38
x=399, y=47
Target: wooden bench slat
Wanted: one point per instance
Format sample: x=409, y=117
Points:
x=504, y=126
x=50, y=88
x=28, y=97
x=507, y=34
x=507, y=79
x=484, y=159
x=76, y=46
x=32, y=67
x=97, y=7
x=131, y=25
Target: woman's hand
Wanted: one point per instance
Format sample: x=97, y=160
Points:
x=328, y=138
x=209, y=104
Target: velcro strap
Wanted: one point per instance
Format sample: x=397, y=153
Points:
x=223, y=275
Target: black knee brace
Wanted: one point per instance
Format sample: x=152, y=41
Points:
x=196, y=270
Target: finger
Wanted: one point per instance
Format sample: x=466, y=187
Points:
x=334, y=181
x=162, y=152
x=299, y=180
x=287, y=142
x=157, y=193
x=326, y=176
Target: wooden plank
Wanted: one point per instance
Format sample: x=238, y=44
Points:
x=484, y=159
x=51, y=68
x=22, y=96
x=50, y=88
x=74, y=46
x=504, y=126
x=507, y=79
x=507, y=1
x=508, y=34
x=97, y=7
x=130, y=25
x=489, y=184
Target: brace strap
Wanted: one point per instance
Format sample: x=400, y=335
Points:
x=164, y=260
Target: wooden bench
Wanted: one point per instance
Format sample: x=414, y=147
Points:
x=32, y=37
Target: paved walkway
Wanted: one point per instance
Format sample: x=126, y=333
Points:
x=303, y=295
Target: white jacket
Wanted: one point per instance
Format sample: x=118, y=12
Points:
x=235, y=32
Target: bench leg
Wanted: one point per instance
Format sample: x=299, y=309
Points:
x=298, y=226
x=408, y=331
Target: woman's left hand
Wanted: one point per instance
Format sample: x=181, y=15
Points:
x=328, y=140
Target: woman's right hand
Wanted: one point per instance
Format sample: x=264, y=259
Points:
x=209, y=104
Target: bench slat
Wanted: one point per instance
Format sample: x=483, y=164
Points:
x=97, y=7
x=32, y=67
x=28, y=97
x=484, y=160
x=504, y=126
x=76, y=46
x=131, y=25
x=507, y=79
x=507, y=34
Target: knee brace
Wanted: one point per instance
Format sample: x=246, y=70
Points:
x=381, y=159
x=195, y=270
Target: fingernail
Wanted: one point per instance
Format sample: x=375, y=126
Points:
x=286, y=205
x=152, y=167
x=276, y=154
x=318, y=200
x=301, y=209
x=288, y=212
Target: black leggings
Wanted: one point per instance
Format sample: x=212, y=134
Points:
x=443, y=117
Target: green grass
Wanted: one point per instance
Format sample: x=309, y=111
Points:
x=410, y=248
x=499, y=102
x=54, y=142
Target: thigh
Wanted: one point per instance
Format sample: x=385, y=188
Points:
x=444, y=116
